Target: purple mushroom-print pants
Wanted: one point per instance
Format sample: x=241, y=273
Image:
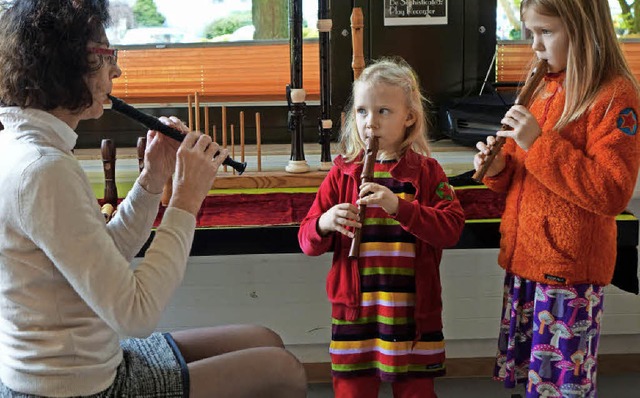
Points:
x=549, y=338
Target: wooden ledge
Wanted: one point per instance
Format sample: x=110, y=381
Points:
x=269, y=179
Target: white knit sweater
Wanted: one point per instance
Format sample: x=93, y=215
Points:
x=67, y=292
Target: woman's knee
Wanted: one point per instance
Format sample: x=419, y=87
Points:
x=290, y=368
x=267, y=337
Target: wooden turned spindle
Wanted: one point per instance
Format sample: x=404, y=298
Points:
x=258, y=142
x=224, y=131
x=108, y=152
x=357, y=39
x=241, y=136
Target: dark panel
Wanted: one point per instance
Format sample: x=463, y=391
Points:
x=436, y=52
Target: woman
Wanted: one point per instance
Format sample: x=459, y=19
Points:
x=66, y=289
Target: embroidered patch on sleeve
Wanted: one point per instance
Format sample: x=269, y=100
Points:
x=445, y=191
x=628, y=121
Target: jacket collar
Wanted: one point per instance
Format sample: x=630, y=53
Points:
x=405, y=169
x=39, y=126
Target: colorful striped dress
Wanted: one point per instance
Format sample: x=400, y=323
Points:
x=383, y=341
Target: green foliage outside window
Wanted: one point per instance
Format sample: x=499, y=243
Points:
x=146, y=13
x=228, y=25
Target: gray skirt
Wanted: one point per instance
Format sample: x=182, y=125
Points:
x=151, y=367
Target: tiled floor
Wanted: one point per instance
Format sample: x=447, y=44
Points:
x=618, y=386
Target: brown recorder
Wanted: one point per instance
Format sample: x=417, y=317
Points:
x=108, y=152
x=524, y=97
x=370, y=154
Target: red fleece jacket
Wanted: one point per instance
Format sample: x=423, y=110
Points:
x=563, y=194
x=437, y=222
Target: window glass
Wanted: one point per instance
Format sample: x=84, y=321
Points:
x=508, y=25
x=139, y=22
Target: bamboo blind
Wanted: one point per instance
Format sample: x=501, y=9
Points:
x=258, y=72
x=514, y=57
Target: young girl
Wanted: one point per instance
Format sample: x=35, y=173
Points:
x=569, y=167
x=386, y=305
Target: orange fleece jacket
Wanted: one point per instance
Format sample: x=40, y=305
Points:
x=563, y=194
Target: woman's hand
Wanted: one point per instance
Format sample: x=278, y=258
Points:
x=498, y=163
x=196, y=169
x=160, y=156
x=376, y=194
x=525, y=127
x=338, y=218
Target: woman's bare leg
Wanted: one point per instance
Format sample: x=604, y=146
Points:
x=240, y=361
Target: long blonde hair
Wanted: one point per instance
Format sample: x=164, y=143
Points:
x=398, y=73
x=594, y=53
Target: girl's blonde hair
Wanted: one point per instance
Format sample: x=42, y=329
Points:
x=594, y=53
x=395, y=72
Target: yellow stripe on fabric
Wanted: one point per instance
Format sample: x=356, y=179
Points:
x=387, y=271
x=125, y=187
x=380, y=221
x=387, y=345
x=386, y=368
x=372, y=319
x=388, y=296
x=382, y=174
x=406, y=196
x=388, y=246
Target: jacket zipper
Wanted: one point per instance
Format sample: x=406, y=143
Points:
x=524, y=177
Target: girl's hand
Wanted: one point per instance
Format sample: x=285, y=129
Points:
x=376, y=194
x=498, y=163
x=525, y=126
x=160, y=156
x=338, y=218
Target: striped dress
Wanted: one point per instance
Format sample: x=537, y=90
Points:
x=382, y=341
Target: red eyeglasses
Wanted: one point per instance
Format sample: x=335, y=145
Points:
x=111, y=54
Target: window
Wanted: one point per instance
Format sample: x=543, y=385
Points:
x=214, y=47
x=138, y=22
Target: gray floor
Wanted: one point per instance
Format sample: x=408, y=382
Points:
x=618, y=386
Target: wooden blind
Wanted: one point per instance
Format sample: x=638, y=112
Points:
x=513, y=60
x=225, y=73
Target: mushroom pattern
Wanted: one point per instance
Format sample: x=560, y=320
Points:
x=559, y=329
x=581, y=328
x=501, y=360
x=534, y=379
x=549, y=390
x=504, y=334
x=589, y=363
x=576, y=303
x=545, y=318
x=586, y=385
x=572, y=390
x=546, y=353
x=594, y=300
x=578, y=359
x=560, y=293
x=564, y=366
x=590, y=335
x=540, y=295
x=527, y=311
x=510, y=366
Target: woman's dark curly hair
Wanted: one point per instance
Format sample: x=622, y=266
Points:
x=43, y=52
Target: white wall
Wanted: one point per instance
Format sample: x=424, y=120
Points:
x=286, y=293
